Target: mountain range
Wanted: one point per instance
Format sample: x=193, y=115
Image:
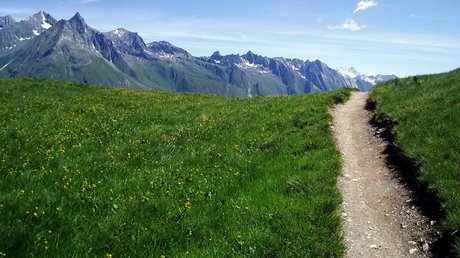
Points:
x=71, y=50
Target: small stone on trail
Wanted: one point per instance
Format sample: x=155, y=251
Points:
x=373, y=246
x=425, y=247
x=412, y=251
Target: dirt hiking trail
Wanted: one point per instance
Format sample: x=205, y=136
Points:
x=378, y=217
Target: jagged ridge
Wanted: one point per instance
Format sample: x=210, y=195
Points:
x=71, y=50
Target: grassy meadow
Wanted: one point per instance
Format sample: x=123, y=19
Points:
x=426, y=114
x=86, y=171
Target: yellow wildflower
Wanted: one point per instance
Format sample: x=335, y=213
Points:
x=188, y=205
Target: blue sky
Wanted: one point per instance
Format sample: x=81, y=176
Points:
x=404, y=37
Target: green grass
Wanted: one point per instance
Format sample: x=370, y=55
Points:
x=427, y=117
x=87, y=171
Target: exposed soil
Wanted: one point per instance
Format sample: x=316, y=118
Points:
x=379, y=216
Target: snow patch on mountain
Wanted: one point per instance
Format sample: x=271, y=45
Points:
x=348, y=72
x=119, y=32
x=370, y=80
x=45, y=25
x=26, y=38
x=245, y=64
x=6, y=65
x=364, y=78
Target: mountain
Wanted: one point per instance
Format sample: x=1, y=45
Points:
x=296, y=75
x=363, y=81
x=13, y=34
x=71, y=50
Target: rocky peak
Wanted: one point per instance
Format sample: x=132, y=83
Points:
x=6, y=22
x=250, y=57
x=42, y=20
x=78, y=23
x=322, y=67
x=36, y=17
x=216, y=56
x=348, y=72
x=124, y=35
x=77, y=17
x=128, y=42
x=163, y=48
x=120, y=32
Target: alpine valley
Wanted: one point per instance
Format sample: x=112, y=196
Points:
x=42, y=47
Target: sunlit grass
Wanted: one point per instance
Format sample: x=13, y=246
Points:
x=92, y=172
x=427, y=116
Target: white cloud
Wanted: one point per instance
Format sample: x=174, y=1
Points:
x=349, y=24
x=88, y=1
x=365, y=4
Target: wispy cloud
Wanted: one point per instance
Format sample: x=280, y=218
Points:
x=87, y=1
x=349, y=24
x=364, y=5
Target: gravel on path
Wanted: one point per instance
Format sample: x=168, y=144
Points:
x=378, y=217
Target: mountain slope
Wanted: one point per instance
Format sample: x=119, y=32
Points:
x=86, y=171
x=71, y=50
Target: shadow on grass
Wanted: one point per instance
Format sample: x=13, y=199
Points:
x=408, y=171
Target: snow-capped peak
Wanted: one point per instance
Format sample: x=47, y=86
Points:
x=348, y=72
x=40, y=20
x=367, y=78
x=370, y=79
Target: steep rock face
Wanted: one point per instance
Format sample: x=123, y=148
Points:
x=129, y=43
x=323, y=77
x=6, y=22
x=14, y=34
x=41, y=21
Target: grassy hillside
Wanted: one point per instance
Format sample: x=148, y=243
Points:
x=87, y=171
x=427, y=118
